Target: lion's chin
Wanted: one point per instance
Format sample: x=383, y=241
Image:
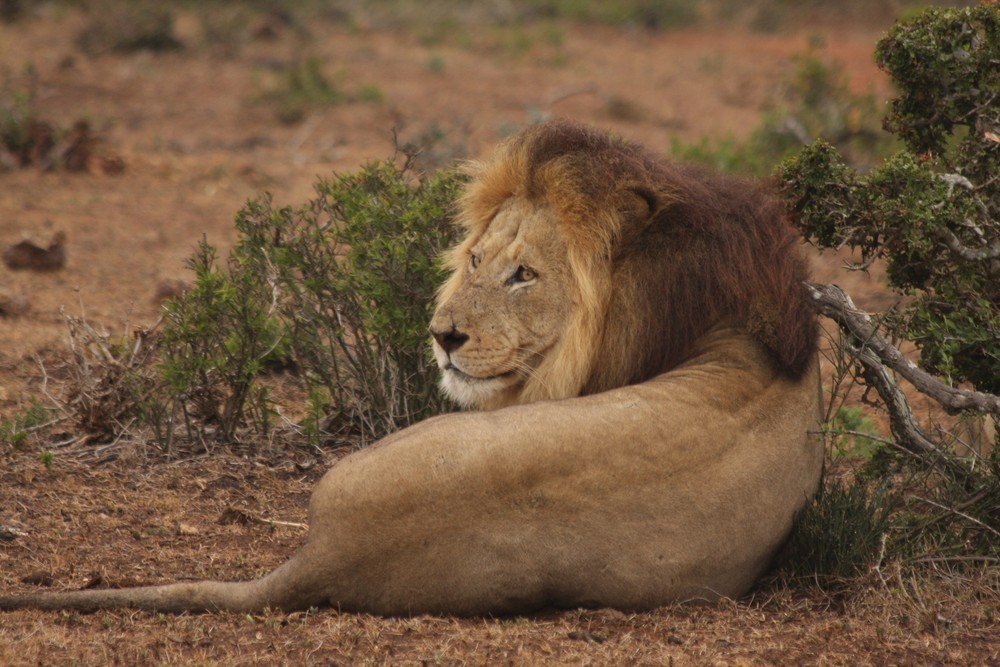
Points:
x=473, y=392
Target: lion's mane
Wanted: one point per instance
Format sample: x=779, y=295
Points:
x=661, y=253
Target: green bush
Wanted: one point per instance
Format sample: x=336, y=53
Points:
x=217, y=338
x=931, y=212
x=341, y=289
x=358, y=270
x=338, y=292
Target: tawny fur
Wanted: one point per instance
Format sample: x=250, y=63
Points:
x=663, y=308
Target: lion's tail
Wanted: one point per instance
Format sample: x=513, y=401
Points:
x=285, y=588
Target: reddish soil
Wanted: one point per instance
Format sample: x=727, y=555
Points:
x=196, y=142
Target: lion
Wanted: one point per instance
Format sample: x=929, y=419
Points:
x=641, y=354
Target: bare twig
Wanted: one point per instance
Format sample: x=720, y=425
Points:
x=955, y=511
x=235, y=515
x=868, y=436
x=45, y=388
x=957, y=559
x=276, y=522
x=41, y=427
x=566, y=94
x=863, y=265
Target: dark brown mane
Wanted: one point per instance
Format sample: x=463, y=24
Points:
x=709, y=250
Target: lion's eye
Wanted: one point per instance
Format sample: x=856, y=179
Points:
x=524, y=274
x=473, y=262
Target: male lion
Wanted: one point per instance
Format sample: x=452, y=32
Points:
x=640, y=337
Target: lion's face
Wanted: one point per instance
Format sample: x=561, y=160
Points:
x=506, y=307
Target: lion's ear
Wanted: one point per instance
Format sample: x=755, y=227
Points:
x=637, y=206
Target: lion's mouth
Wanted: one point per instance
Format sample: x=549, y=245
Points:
x=462, y=375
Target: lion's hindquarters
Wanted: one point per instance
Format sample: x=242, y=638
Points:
x=681, y=487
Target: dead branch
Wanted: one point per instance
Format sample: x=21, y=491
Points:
x=833, y=302
x=876, y=356
x=962, y=251
x=903, y=425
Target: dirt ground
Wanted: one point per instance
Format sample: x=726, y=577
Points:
x=197, y=140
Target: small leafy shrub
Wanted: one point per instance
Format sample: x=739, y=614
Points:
x=46, y=458
x=304, y=86
x=724, y=154
x=357, y=269
x=27, y=140
x=217, y=337
x=854, y=434
x=18, y=127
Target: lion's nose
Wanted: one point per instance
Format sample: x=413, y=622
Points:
x=450, y=339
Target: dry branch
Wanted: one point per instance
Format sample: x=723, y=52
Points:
x=876, y=356
x=833, y=302
x=985, y=253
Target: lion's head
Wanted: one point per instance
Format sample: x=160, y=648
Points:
x=589, y=264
